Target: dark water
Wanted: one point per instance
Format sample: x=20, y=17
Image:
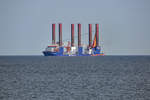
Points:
x=75, y=78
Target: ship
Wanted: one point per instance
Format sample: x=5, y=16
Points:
x=70, y=49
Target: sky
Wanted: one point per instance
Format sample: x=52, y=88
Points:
x=25, y=25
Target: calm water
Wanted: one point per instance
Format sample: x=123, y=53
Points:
x=75, y=78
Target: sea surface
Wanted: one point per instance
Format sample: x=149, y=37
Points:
x=75, y=78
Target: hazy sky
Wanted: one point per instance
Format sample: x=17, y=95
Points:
x=25, y=25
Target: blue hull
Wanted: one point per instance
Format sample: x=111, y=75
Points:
x=48, y=53
x=96, y=52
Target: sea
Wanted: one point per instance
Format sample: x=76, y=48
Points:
x=75, y=78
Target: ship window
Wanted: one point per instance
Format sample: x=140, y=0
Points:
x=51, y=49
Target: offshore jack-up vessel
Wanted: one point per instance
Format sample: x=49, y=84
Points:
x=58, y=49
